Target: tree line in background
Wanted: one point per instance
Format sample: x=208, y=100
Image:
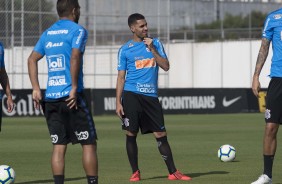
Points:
x=28, y=25
x=234, y=27
x=36, y=18
x=231, y=27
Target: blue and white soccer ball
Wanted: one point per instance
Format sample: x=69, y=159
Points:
x=226, y=153
x=7, y=174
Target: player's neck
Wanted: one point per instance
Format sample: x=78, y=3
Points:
x=137, y=38
x=67, y=18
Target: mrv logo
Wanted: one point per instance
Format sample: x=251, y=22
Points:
x=56, y=62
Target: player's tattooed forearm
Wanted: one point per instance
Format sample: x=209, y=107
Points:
x=262, y=55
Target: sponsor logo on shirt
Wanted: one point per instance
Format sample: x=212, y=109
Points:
x=63, y=31
x=277, y=16
x=130, y=45
x=56, y=62
x=57, y=81
x=57, y=94
x=50, y=44
x=145, y=88
x=145, y=63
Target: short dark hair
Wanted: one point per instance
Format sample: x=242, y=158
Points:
x=65, y=7
x=134, y=17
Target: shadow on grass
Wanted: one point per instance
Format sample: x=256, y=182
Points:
x=192, y=175
x=50, y=181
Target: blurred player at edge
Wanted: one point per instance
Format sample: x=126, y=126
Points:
x=68, y=118
x=4, y=80
x=271, y=33
x=137, y=101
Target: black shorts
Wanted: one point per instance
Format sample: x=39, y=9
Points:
x=273, y=112
x=142, y=112
x=70, y=125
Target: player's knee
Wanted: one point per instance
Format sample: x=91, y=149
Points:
x=272, y=127
x=271, y=130
x=160, y=134
x=128, y=133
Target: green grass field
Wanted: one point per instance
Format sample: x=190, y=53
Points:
x=194, y=139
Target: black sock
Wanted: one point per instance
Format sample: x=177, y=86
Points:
x=92, y=179
x=166, y=153
x=59, y=179
x=268, y=163
x=132, y=152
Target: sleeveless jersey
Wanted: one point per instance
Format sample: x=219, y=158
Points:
x=273, y=32
x=140, y=66
x=57, y=43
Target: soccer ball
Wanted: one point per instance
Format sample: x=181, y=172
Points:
x=226, y=153
x=7, y=174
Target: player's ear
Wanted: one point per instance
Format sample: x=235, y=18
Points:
x=73, y=12
x=132, y=28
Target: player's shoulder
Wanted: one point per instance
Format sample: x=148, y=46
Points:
x=73, y=26
x=129, y=44
x=1, y=49
x=65, y=27
x=275, y=15
x=1, y=46
x=156, y=40
x=77, y=26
